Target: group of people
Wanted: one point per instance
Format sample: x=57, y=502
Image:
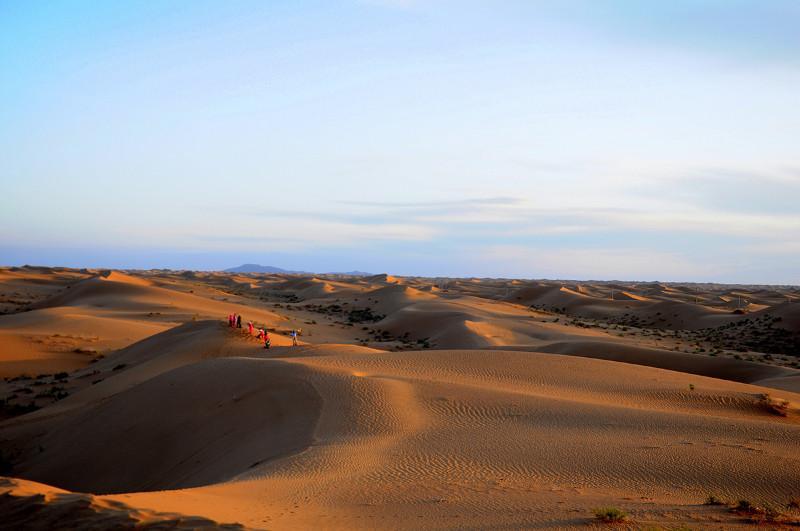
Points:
x=235, y=321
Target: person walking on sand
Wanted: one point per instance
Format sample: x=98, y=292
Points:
x=267, y=341
x=230, y=320
x=238, y=321
x=293, y=335
x=250, y=328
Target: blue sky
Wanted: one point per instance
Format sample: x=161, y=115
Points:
x=575, y=139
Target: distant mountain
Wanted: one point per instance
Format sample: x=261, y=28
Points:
x=255, y=268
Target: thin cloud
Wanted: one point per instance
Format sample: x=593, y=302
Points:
x=625, y=263
x=425, y=205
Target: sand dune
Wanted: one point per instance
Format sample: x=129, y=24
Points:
x=724, y=368
x=383, y=278
x=574, y=430
x=404, y=406
x=21, y=287
x=99, y=314
x=627, y=296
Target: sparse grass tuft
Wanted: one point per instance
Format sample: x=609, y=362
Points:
x=610, y=515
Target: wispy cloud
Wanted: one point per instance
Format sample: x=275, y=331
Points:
x=620, y=264
x=677, y=206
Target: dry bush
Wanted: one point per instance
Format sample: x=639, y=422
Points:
x=610, y=515
x=713, y=500
x=776, y=406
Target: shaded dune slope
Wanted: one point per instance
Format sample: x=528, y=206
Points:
x=723, y=368
x=205, y=423
x=30, y=505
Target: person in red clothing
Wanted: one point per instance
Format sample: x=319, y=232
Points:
x=266, y=339
x=250, y=327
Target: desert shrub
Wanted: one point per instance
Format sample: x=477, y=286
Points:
x=13, y=410
x=776, y=406
x=713, y=500
x=364, y=316
x=773, y=515
x=56, y=392
x=758, y=515
x=610, y=515
x=794, y=503
x=746, y=507
x=60, y=376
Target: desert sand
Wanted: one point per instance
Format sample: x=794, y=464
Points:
x=409, y=403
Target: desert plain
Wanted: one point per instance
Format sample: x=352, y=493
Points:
x=408, y=403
